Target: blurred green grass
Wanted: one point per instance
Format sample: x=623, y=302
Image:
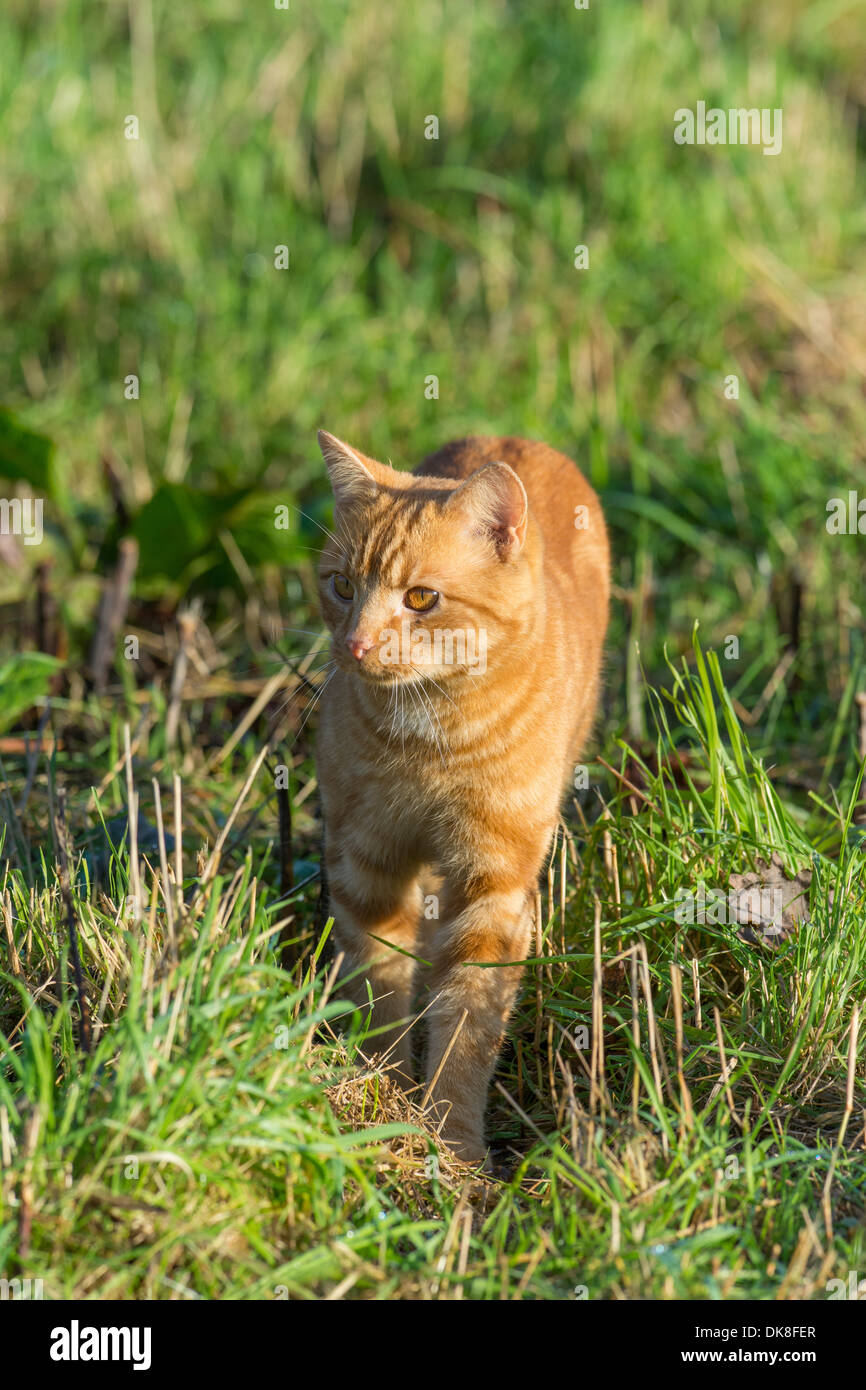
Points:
x=411, y=258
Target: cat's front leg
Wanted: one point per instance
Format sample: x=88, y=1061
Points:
x=375, y=896
x=471, y=1007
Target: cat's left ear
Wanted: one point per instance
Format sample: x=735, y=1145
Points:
x=493, y=500
x=350, y=477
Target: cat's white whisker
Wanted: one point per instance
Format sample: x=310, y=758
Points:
x=432, y=711
x=441, y=690
x=311, y=705
x=328, y=533
x=316, y=690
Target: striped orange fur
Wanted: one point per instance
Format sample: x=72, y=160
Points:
x=451, y=754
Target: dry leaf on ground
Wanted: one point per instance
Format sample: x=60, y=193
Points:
x=768, y=904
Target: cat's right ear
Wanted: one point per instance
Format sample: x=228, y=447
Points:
x=350, y=477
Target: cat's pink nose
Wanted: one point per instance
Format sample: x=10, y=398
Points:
x=359, y=645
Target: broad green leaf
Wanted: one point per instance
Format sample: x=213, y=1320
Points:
x=24, y=679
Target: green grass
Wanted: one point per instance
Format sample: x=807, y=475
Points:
x=222, y=1139
x=225, y=1137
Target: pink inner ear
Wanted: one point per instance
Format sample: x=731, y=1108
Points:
x=495, y=501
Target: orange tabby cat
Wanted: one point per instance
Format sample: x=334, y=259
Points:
x=467, y=604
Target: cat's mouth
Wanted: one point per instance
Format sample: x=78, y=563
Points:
x=387, y=675
x=384, y=676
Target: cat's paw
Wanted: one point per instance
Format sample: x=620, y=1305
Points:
x=466, y=1148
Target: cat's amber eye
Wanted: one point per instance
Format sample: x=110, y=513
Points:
x=420, y=600
x=343, y=587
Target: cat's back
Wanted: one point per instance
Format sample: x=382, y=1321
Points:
x=560, y=498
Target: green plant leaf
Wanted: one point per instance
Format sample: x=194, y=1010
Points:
x=178, y=526
x=26, y=456
x=24, y=679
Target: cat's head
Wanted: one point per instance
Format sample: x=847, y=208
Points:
x=423, y=577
